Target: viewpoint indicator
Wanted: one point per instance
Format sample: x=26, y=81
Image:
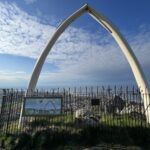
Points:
x=41, y=106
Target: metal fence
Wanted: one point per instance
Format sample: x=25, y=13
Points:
x=81, y=107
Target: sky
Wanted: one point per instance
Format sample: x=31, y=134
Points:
x=85, y=54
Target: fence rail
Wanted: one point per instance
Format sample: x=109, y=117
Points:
x=81, y=107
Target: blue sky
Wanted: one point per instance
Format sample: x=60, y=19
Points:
x=85, y=54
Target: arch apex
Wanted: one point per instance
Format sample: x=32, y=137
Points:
x=85, y=6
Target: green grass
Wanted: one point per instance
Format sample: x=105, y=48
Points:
x=113, y=130
x=123, y=121
x=129, y=138
x=68, y=122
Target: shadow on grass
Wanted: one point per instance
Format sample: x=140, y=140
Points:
x=88, y=136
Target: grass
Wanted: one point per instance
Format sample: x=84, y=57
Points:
x=68, y=122
x=107, y=136
x=62, y=132
x=123, y=121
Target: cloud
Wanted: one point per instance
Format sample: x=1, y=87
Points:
x=21, y=34
x=12, y=77
x=30, y=1
x=78, y=54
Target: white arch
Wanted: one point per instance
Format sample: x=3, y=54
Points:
x=126, y=49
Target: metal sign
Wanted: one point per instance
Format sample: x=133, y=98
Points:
x=95, y=102
x=42, y=106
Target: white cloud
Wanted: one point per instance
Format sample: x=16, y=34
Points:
x=78, y=53
x=6, y=75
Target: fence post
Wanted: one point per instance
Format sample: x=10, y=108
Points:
x=2, y=111
x=9, y=111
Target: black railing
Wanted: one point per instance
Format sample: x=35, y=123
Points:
x=81, y=107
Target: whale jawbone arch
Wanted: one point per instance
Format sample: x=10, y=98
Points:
x=126, y=49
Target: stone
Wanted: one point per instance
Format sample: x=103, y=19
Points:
x=83, y=112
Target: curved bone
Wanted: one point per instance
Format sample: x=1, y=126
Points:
x=126, y=49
